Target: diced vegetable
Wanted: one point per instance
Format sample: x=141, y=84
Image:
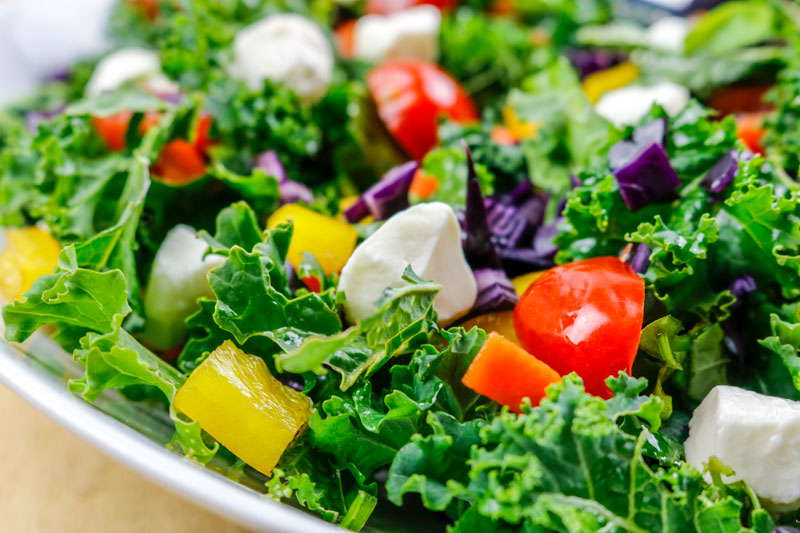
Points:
x=519, y=129
x=386, y=197
x=238, y=402
x=642, y=168
x=28, y=254
x=507, y=374
x=597, y=84
x=411, y=95
x=177, y=279
x=179, y=163
x=384, y=7
x=501, y=322
x=423, y=185
x=755, y=436
x=750, y=128
x=343, y=37
x=113, y=129
x=290, y=190
x=329, y=240
x=722, y=173
x=427, y=237
x=584, y=317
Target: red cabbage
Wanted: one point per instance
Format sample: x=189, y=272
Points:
x=642, y=168
x=386, y=197
x=741, y=287
x=291, y=191
x=589, y=60
x=640, y=259
x=271, y=164
x=34, y=118
x=478, y=246
x=722, y=173
x=513, y=218
x=495, y=291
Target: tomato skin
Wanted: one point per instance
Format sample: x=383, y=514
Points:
x=384, y=7
x=202, y=142
x=584, y=317
x=344, y=37
x=410, y=95
x=113, y=129
x=750, y=130
x=179, y=163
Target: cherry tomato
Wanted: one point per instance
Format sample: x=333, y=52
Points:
x=148, y=8
x=750, y=129
x=344, y=37
x=584, y=317
x=384, y=7
x=113, y=129
x=742, y=99
x=201, y=140
x=179, y=163
x=410, y=96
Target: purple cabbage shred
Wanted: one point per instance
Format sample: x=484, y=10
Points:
x=642, y=168
x=495, y=291
x=291, y=191
x=386, y=197
x=722, y=173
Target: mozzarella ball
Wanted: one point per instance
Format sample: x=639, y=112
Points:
x=408, y=34
x=127, y=65
x=628, y=105
x=287, y=49
x=427, y=237
x=178, y=278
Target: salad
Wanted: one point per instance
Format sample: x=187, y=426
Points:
x=517, y=265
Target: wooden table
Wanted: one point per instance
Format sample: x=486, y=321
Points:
x=53, y=481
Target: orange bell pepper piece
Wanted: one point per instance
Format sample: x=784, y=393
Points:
x=507, y=374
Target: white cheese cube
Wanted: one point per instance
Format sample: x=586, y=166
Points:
x=757, y=436
x=126, y=65
x=408, y=34
x=669, y=33
x=288, y=49
x=427, y=237
x=628, y=105
x=178, y=278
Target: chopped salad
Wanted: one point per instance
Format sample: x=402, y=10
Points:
x=517, y=265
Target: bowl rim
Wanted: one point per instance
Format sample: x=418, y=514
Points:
x=172, y=471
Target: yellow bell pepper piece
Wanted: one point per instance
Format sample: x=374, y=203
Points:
x=238, y=402
x=519, y=129
x=597, y=84
x=29, y=253
x=501, y=322
x=330, y=241
x=521, y=283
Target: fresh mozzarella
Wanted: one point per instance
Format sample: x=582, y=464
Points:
x=178, y=278
x=669, y=33
x=126, y=65
x=629, y=105
x=408, y=34
x=288, y=49
x=757, y=436
x=427, y=237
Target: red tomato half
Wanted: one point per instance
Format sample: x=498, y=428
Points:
x=384, y=7
x=411, y=95
x=179, y=163
x=584, y=317
x=113, y=129
x=750, y=129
